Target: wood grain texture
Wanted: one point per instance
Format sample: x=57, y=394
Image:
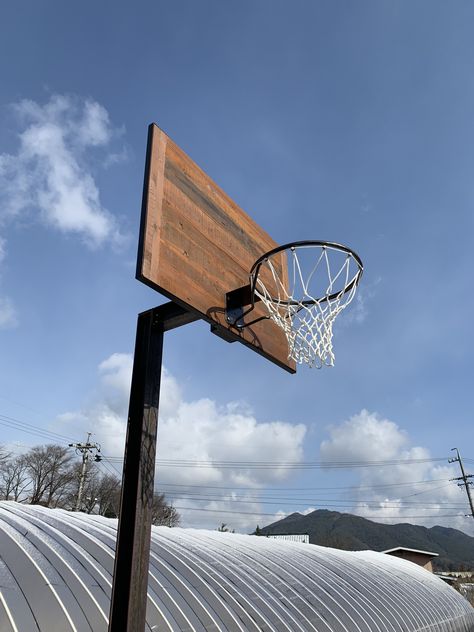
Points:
x=197, y=244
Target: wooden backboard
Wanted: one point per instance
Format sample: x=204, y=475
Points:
x=196, y=245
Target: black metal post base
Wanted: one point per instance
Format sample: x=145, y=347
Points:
x=130, y=582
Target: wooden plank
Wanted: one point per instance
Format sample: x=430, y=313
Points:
x=197, y=244
x=213, y=200
x=223, y=240
x=155, y=184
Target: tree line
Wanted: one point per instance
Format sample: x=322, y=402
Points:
x=49, y=475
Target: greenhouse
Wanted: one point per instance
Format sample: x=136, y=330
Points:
x=56, y=575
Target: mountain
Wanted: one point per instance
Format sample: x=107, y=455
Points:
x=353, y=533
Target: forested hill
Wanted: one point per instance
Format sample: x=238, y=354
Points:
x=345, y=531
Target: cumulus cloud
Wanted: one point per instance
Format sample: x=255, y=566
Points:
x=362, y=437
x=415, y=488
x=50, y=173
x=200, y=444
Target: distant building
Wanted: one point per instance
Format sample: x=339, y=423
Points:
x=422, y=558
x=291, y=537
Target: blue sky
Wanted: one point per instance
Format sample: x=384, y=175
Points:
x=343, y=121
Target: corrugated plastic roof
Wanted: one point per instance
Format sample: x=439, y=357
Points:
x=56, y=573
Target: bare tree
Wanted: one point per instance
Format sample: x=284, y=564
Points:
x=50, y=473
x=106, y=492
x=101, y=492
x=69, y=498
x=90, y=491
x=464, y=586
x=14, y=479
x=47, y=475
x=4, y=456
x=162, y=513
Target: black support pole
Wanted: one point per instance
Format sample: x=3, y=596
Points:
x=130, y=582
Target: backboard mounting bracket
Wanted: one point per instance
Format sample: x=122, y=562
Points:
x=236, y=303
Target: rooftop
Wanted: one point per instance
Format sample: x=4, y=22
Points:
x=404, y=548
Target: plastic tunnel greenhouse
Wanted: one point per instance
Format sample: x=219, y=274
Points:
x=56, y=573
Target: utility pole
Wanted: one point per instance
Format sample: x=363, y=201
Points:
x=85, y=450
x=463, y=479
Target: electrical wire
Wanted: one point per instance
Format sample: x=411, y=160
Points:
x=108, y=465
x=271, y=499
x=426, y=491
x=331, y=503
x=258, y=514
x=305, y=489
x=272, y=465
x=109, y=469
x=17, y=424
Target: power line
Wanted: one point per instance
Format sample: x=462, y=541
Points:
x=312, y=501
x=109, y=468
x=17, y=424
x=262, y=497
x=427, y=491
x=272, y=499
x=295, y=465
x=321, y=502
x=304, y=489
x=258, y=513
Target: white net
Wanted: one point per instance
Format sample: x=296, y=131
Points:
x=322, y=281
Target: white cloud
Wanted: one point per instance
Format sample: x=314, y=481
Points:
x=8, y=315
x=2, y=249
x=94, y=128
x=364, y=437
x=116, y=158
x=50, y=172
x=196, y=431
x=359, y=310
x=116, y=374
x=399, y=492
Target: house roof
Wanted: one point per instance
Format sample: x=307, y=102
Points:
x=404, y=548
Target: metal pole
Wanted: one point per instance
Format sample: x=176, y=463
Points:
x=130, y=582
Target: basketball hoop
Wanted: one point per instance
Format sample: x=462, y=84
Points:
x=322, y=281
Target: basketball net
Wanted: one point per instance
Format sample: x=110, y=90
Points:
x=307, y=306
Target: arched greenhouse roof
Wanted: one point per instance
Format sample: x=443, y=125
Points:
x=56, y=573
